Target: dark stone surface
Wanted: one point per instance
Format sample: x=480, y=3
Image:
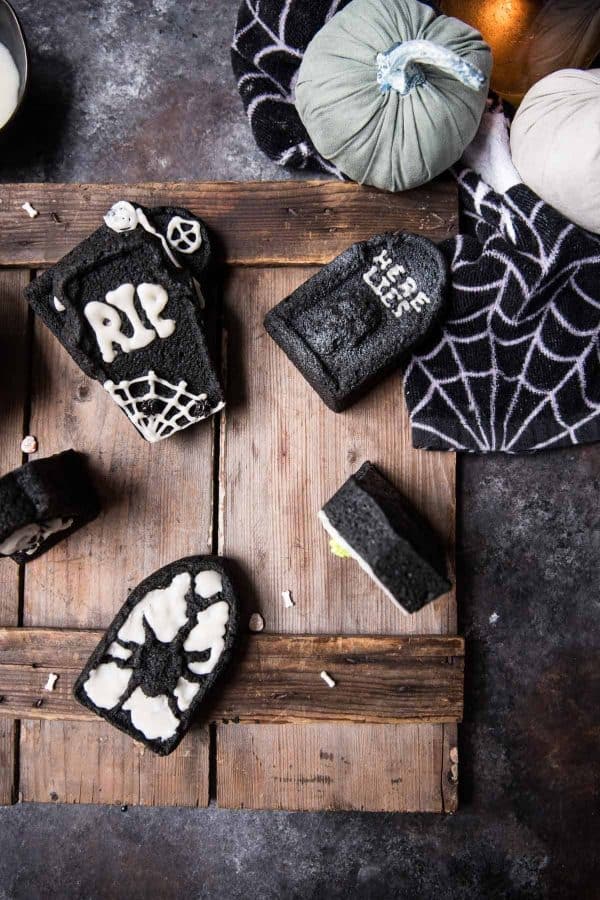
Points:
x=528, y=550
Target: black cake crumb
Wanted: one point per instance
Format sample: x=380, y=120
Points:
x=43, y=502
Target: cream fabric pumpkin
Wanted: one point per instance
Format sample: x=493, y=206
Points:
x=391, y=92
x=555, y=143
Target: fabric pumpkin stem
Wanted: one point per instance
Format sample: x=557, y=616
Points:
x=400, y=67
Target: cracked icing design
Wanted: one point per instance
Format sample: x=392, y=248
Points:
x=107, y=324
x=157, y=407
x=151, y=715
x=142, y=674
x=29, y=538
x=118, y=651
x=165, y=611
x=208, y=634
x=185, y=693
x=184, y=235
x=208, y=583
x=106, y=684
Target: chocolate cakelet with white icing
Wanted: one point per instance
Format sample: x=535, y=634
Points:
x=359, y=317
x=164, y=651
x=43, y=502
x=370, y=521
x=126, y=304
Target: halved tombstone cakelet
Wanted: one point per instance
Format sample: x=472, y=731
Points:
x=43, y=502
x=370, y=521
x=163, y=652
x=359, y=317
x=125, y=305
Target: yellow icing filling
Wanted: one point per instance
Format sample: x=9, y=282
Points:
x=338, y=549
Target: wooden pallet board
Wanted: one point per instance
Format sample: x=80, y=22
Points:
x=385, y=737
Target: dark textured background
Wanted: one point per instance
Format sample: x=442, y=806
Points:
x=142, y=90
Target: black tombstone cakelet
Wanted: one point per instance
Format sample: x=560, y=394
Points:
x=125, y=303
x=369, y=520
x=43, y=502
x=163, y=652
x=360, y=316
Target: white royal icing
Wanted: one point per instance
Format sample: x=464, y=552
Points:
x=398, y=293
x=329, y=528
x=58, y=306
x=208, y=583
x=164, y=610
x=143, y=220
x=106, y=321
x=118, y=651
x=185, y=693
x=208, y=634
x=121, y=217
x=29, y=538
x=178, y=407
x=184, y=235
x=151, y=715
x=106, y=684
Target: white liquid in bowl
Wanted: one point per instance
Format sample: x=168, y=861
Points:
x=9, y=85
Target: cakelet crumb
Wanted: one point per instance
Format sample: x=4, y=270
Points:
x=30, y=210
x=29, y=444
x=256, y=623
x=287, y=599
x=52, y=679
x=327, y=679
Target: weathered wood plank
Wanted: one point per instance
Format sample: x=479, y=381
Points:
x=14, y=366
x=378, y=679
x=254, y=223
x=276, y=427
x=146, y=521
x=393, y=768
x=91, y=762
x=284, y=453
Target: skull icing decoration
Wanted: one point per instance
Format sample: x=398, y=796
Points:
x=125, y=305
x=163, y=652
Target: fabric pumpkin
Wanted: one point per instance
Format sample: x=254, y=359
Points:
x=392, y=93
x=555, y=143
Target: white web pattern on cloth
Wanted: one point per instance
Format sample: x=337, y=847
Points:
x=301, y=154
x=505, y=375
x=176, y=407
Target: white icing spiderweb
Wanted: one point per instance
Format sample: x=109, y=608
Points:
x=158, y=408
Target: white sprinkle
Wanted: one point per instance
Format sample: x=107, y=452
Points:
x=29, y=444
x=256, y=623
x=52, y=679
x=30, y=210
x=494, y=618
x=287, y=599
x=327, y=679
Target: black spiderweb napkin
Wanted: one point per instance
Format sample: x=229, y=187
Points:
x=515, y=366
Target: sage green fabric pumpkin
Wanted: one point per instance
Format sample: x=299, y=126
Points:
x=393, y=93
x=555, y=143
